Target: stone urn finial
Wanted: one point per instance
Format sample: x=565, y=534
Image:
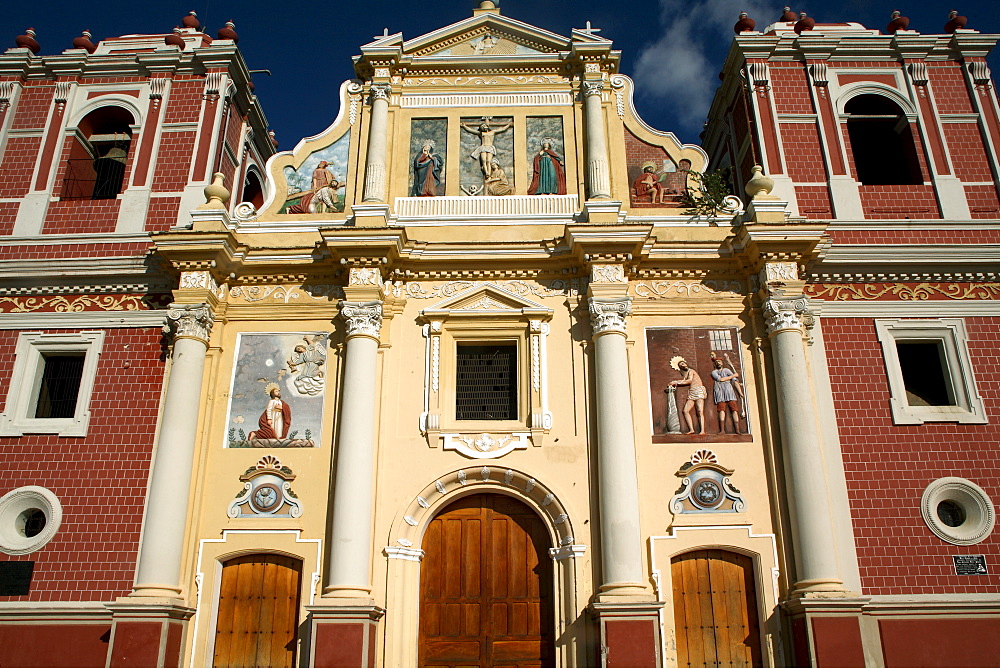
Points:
x=759, y=184
x=216, y=193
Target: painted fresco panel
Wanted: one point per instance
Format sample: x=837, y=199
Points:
x=291, y=366
x=319, y=185
x=428, y=153
x=546, y=157
x=674, y=393
x=485, y=138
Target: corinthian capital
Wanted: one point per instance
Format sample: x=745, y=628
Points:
x=189, y=321
x=785, y=314
x=380, y=91
x=609, y=314
x=592, y=87
x=362, y=318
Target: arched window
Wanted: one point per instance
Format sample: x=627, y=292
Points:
x=253, y=191
x=882, y=142
x=99, y=154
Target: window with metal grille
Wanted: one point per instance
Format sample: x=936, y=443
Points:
x=486, y=382
x=60, y=385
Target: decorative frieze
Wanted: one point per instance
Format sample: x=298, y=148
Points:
x=70, y=304
x=608, y=315
x=686, y=289
x=903, y=291
x=252, y=294
x=190, y=321
x=555, y=288
x=607, y=273
x=362, y=318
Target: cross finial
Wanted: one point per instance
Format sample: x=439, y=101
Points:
x=385, y=33
x=589, y=30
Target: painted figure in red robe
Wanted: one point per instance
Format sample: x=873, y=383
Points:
x=276, y=419
x=548, y=176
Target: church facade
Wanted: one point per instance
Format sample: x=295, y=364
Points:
x=490, y=372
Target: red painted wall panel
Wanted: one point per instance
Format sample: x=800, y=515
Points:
x=54, y=644
x=940, y=642
x=339, y=645
x=888, y=466
x=630, y=644
x=100, y=479
x=136, y=644
x=837, y=642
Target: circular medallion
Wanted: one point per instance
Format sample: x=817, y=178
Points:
x=266, y=498
x=707, y=493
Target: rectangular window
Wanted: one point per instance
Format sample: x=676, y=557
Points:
x=929, y=371
x=486, y=382
x=60, y=385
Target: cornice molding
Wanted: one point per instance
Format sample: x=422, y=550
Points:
x=83, y=320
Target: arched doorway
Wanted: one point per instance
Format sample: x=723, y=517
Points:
x=486, y=586
x=258, y=611
x=715, y=609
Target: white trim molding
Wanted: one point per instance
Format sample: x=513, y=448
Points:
x=83, y=319
x=29, y=362
x=949, y=333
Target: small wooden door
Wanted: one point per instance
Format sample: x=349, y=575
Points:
x=715, y=609
x=486, y=586
x=258, y=611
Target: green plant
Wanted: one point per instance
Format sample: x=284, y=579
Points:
x=706, y=195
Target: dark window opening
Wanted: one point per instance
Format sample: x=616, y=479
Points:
x=253, y=191
x=99, y=154
x=31, y=522
x=951, y=513
x=925, y=374
x=882, y=142
x=486, y=382
x=60, y=385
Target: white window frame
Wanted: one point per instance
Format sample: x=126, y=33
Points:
x=22, y=395
x=950, y=333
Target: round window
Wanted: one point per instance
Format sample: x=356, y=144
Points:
x=29, y=518
x=957, y=511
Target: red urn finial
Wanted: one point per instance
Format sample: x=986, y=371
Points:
x=804, y=23
x=955, y=22
x=27, y=41
x=174, y=39
x=83, y=42
x=274, y=140
x=191, y=21
x=745, y=24
x=228, y=31
x=898, y=22
x=788, y=16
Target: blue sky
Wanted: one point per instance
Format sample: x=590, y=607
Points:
x=673, y=48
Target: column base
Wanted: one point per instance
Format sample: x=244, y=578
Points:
x=629, y=633
x=820, y=588
x=147, y=631
x=827, y=631
x=343, y=636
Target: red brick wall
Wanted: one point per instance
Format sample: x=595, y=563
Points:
x=803, y=152
x=16, y=165
x=902, y=202
x=174, y=161
x=814, y=201
x=948, y=86
x=162, y=213
x=100, y=479
x=888, y=466
x=968, y=155
x=81, y=215
x=8, y=214
x=33, y=105
x=73, y=250
x=983, y=201
x=942, y=236
x=184, y=103
x=790, y=88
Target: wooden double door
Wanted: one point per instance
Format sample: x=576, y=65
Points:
x=258, y=611
x=715, y=609
x=486, y=586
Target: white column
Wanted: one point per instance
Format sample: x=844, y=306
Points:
x=377, y=129
x=351, y=520
x=598, y=179
x=169, y=488
x=618, y=491
x=812, y=522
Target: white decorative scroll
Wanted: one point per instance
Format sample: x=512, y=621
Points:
x=819, y=74
x=607, y=273
x=62, y=91
x=608, y=314
x=354, y=91
x=198, y=279
x=980, y=72
x=918, y=73
x=618, y=86
x=362, y=318
x=365, y=276
x=758, y=74
x=485, y=446
x=665, y=289
x=784, y=314
x=213, y=82
x=193, y=321
x=779, y=272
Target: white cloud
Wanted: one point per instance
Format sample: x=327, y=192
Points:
x=682, y=66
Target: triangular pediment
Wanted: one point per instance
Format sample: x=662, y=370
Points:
x=486, y=35
x=487, y=299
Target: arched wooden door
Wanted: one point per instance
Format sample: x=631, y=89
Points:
x=486, y=586
x=258, y=611
x=715, y=609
